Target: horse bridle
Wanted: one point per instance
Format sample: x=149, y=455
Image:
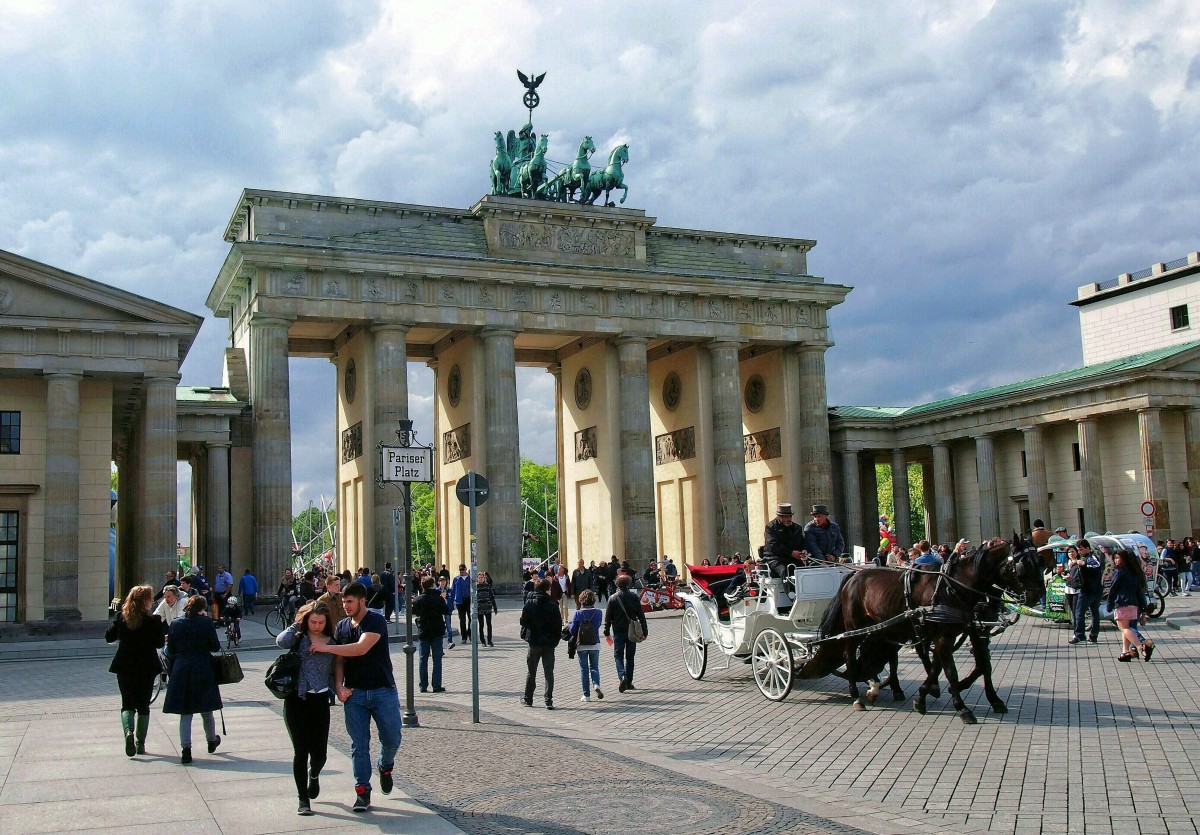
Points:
x=1019, y=567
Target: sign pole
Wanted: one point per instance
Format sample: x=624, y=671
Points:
x=474, y=604
x=409, y=718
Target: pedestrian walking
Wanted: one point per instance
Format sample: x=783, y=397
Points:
x=430, y=611
x=622, y=607
x=443, y=587
x=1069, y=571
x=581, y=581
x=1090, y=568
x=248, y=590
x=363, y=681
x=561, y=590
x=585, y=627
x=460, y=592
x=485, y=605
x=306, y=712
x=377, y=596
x=1127, y=600
x=192, y=687
x=541, y=627
x=138, y=635
x=387, y=579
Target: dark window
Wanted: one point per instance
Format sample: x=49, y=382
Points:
x=8, y=566
x=1082, y=526
x=1075, y=457
x=1179, y=317
x=1025, y=523
x=10, y=433
x=1024, y=466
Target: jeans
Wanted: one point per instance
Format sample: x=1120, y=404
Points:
x=545, y=655
x=589, y=667
x=485, y=627
x=185, y=728
x=248, y=599
x=383, y=705
x=1196, y=573
x=1172, y=575
x=434, y=647
x=307, y=722
x=1087, y=602
x=623, y=652
x=464, y=618
x=450, y=629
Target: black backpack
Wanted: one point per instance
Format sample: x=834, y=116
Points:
x=283, y=676
x=587, y=634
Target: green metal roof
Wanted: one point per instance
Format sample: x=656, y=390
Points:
x=1073, y=375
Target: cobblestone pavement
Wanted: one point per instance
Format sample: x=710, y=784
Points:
x=1089, y=744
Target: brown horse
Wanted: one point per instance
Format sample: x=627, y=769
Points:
x=942, y=606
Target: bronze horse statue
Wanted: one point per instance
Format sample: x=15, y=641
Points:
x=877, y=609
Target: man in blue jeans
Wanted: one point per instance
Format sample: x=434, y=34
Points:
x=430, y=611
x=363, y=681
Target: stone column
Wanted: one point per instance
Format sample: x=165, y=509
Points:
x=989, y=505
x=560, y=470
x=943, y=488
x=389, y=405
x=1035, y=467
x=503, y=456
x=637, y=465
x=729, y=456
x=60, y=566
x=852, y=523
x=217, y=505
x=272, y=452
x=817, y=469
x=157, y=499
x=929, y=500
x=870, y=502
x=1093, y=476
x=900, y=499
x=1154, y=473
x=1191, y=440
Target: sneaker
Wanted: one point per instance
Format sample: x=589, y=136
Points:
x=314, y=788
x=363, y=801
x=527, y=702
x=130, y=746
x=1091, y=640
x=304, y=809
x=439, y=690
x=599, y=693
x=549, y=705
x=623, y=686
x=141, y=748
x=629, y=686
x=450, y=645
x=385, y=780
x=212, y=745
x=185, y=756
x=585, y=698
x=424, y=689
x=1075, y=639
x=490, y=644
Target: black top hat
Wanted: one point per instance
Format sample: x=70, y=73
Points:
x=784, y=509
x=820, y=510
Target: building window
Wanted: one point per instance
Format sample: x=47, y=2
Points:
x=10, y=433
x=1082, y=527
x=8, y=566
x=1075, y=463
x=1179, y=317
x=1024, y=466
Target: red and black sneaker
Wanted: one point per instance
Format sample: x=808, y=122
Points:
x=363, y=801
x=385, y=780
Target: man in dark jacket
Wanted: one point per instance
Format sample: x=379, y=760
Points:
x=541, y=627
x=823, y=537
x=1091, y=589
x=388, y=580
x=430, y=611
x=783, y=542
x=581, y=581
x=623, y=605
x=601, y=575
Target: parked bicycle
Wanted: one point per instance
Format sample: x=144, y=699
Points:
x=280, y=617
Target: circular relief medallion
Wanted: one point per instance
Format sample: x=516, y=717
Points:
x=756, y=393
x=350, y=383
x=583, y=388
x=672, y=391
x=454, y=386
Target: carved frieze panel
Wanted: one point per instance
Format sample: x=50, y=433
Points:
x=585, y=444
x=762, y=446
x=456, y=444
x=679, y=445
x=411, y=291
x=293, y=284
x=570, y=240
x=374, y=289
x=351, y=442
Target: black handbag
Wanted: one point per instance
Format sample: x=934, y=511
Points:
x=283, y=676
x=227, y=669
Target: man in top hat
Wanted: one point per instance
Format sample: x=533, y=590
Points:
x=823, y=537
x=783, y=542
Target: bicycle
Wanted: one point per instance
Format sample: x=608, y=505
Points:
x=279, y=618
x=233, y=636
x=160, y=680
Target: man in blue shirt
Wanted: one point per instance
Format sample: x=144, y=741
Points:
x=248, y=589
x=222, y=587
x=460, y=593
x=927, y=559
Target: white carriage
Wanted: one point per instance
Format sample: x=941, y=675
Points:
x=772, y=627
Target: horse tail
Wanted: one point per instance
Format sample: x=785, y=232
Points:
x=829, y=655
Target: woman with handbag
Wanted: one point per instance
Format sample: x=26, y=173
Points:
x=140, y=634
x=623, y=616
x=306, y=712
x=192, y=687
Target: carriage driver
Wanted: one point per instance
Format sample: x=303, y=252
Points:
x=783, y=543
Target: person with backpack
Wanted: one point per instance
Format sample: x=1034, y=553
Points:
x=585, y=628
x=541, y=627
x=431, y=612
x=623, y=616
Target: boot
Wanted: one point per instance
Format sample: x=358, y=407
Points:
x=143, y=725
x=127, y=727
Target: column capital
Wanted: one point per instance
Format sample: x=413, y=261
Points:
x=225, y=444
x=391, y=327
x=983, y=436
x=263, y=320
x=726, y=344
x=1090, y=420
x=938, y=445
x=631, y=339
x=812, y=347
x=498, y=332
x=1149, y=410
x=171, y=379
x=63, y=375
x=1036, y=429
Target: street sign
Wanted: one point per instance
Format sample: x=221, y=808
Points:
x=463, y=489
x=405, y=464
x=1147, y=508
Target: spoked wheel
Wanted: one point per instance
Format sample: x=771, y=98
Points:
x=695, y=651
x=274, y=622
x=160, y=682
x=1161, y=586
x=771, y=658
x=1158, y=605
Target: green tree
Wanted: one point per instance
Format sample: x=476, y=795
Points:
x=312, y=534
x=916, y=498
x=424, y=523
x=539, y=487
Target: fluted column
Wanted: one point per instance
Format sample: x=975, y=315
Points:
x=929, y=502
x=389, y=405
x=157, y=500
x=60, y=566
x=1035, y=480
x=943, y=489
x=869, y=483
x=852, y=524
x=901, y=506
x=989, y=504
x=817, y=469
x=503, y=456
x=217, y=504
x=637, y=465
x=272, y=452
x=1093, y=476
x=1154, y=473
x=565, y=557
x=729, y=456
x=1191, y=440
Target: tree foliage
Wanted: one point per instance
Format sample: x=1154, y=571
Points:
x=539, y=487
x=916, y=498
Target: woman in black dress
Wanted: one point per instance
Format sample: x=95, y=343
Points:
x=140, y=634
x=193, y=687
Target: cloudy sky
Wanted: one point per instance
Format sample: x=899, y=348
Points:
x=963, y=165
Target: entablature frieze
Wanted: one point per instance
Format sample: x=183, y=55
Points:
x=90, y=348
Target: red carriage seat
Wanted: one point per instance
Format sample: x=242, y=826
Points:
x=705, y=574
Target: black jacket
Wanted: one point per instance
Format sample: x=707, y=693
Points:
x=137, y=653
x=1126, y=590
x=543, y=624
x=430, y=611
x=620, y=606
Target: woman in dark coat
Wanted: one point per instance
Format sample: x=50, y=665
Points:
x=1127, y=599
x=136, y=663
x=193, y=687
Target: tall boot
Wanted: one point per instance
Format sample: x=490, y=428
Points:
x=127, y=727
x=143, y=725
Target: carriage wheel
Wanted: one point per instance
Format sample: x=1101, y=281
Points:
x=695, y=651
x=1158, y=605
x=771, y=658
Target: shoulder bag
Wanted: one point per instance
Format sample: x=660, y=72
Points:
x=635, y=632
x=227, y=669
x=283, y=676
